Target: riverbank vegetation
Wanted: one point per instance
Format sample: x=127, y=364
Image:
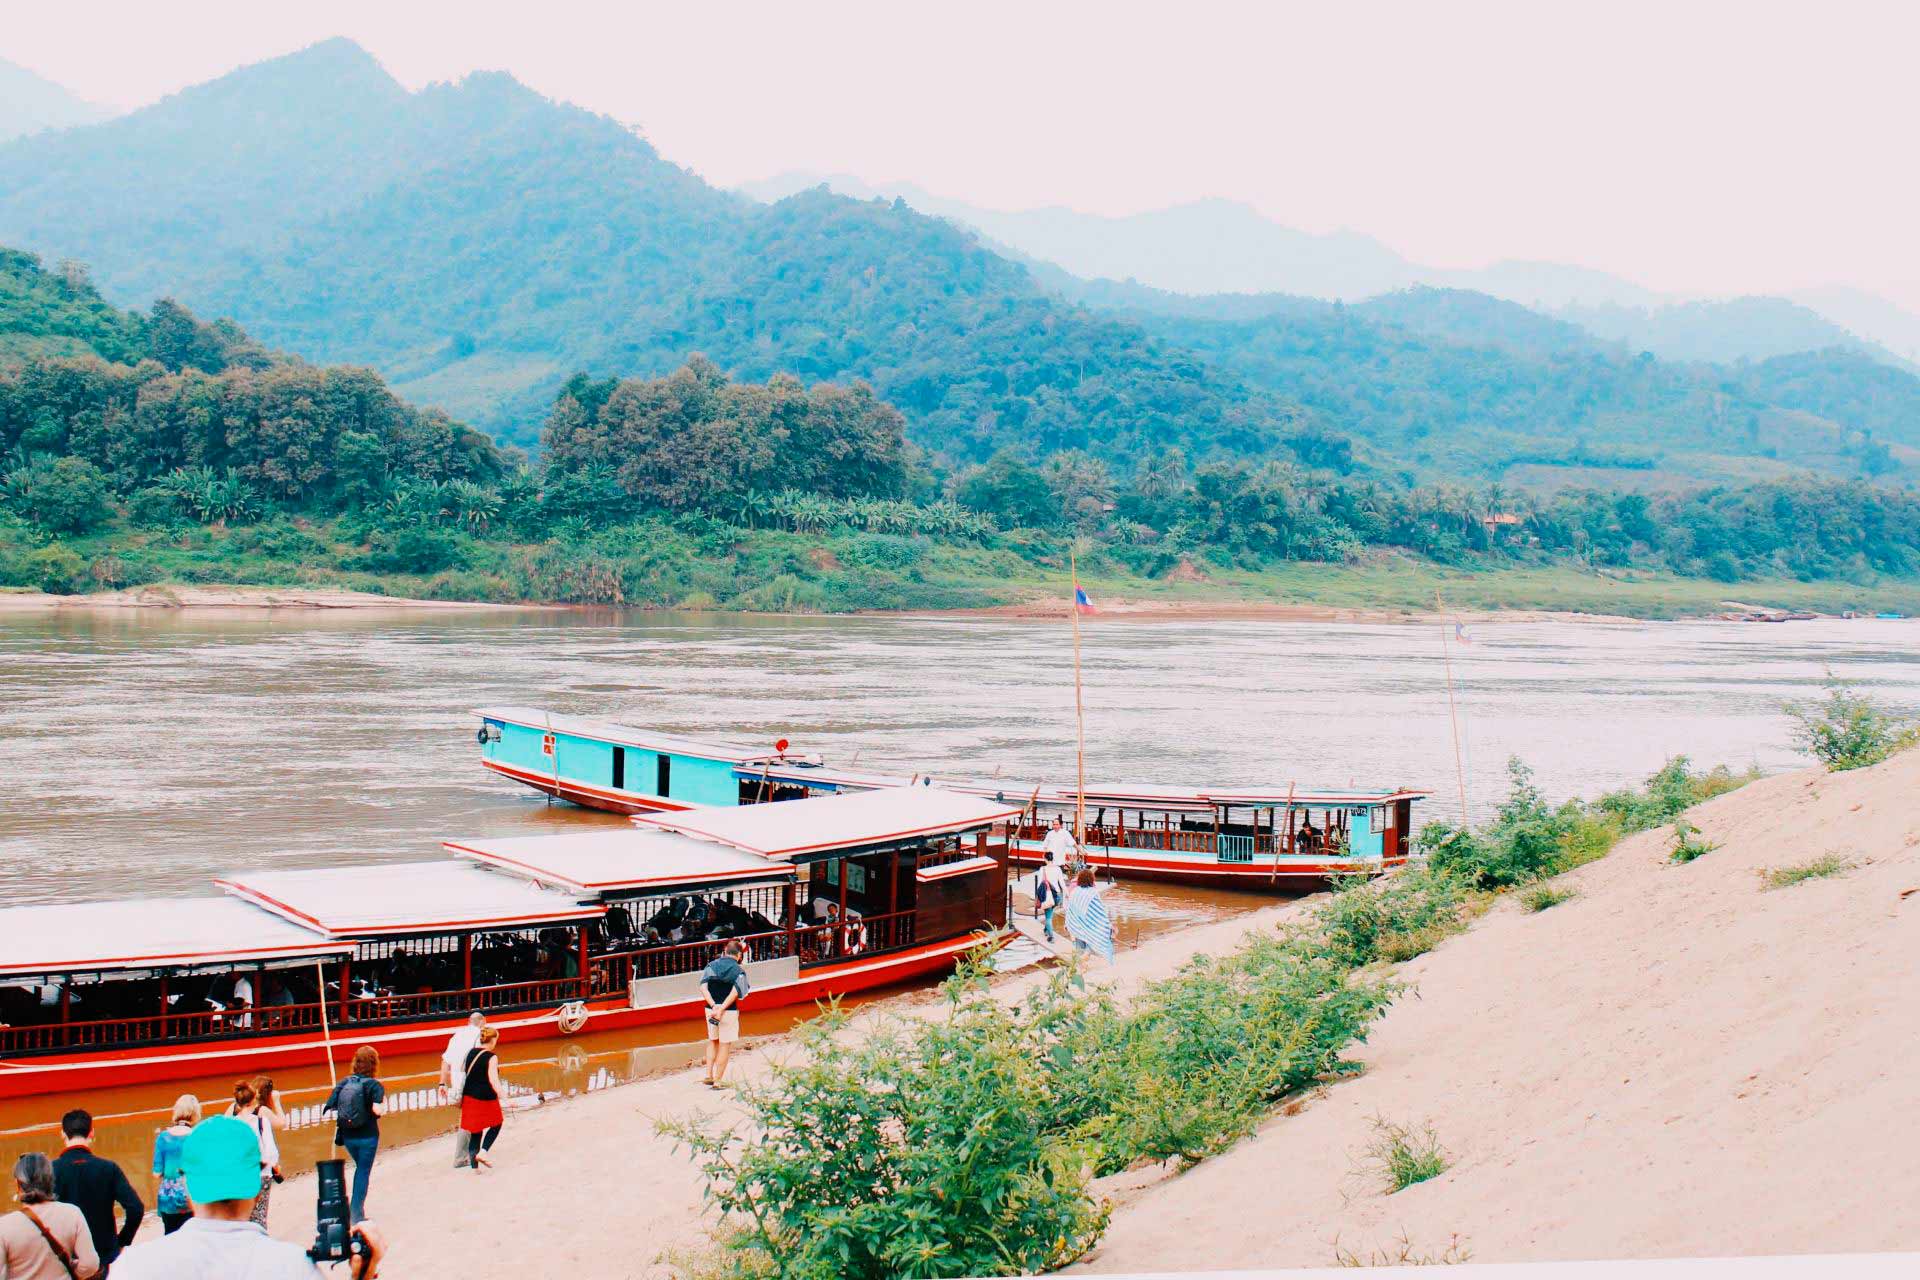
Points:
x=1848, y=730
x=153, y=447
x=965, y=1143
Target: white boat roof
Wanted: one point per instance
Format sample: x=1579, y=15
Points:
x=791, y=829
x=148, y=934
x=621, y=859
x=404, y=898
x=627, y=735
x=1140, y=795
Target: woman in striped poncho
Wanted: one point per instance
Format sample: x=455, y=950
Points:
x=1087, y=918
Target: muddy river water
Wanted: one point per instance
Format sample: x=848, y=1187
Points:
x=143, y=752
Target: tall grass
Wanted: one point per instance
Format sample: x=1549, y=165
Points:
x=1404, y=1155
x=1827, y=864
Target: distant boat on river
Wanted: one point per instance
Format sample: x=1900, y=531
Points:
x=1238, y=837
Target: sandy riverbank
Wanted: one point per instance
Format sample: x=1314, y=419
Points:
x=1673, y=1063
x=1125, y=610
x=229, y=598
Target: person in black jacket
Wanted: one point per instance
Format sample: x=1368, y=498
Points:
x=93, y=1185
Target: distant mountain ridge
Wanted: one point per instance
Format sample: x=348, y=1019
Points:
x=478, y=244
x=1222, y=246
x=30, y=103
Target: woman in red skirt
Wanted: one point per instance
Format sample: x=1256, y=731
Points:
x=480, y=1115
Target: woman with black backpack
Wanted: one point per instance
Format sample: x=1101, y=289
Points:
x=356, y=1104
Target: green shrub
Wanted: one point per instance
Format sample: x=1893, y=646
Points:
x=1687, y=845
x=1392, y=919
x=60, y=495
x=916, y=1149
x=1673, y=788
x=414, y=549
x=1539, y=897
x=56, y=570
x=1849, y=730
x=1403, y=1155
x=1521, y=844
x=1827, y=864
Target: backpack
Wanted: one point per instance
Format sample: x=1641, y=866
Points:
x=352, y=1110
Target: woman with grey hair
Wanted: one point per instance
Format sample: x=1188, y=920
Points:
x=45, y=1240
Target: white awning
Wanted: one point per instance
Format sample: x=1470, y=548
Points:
x=621, y=860
x=829, y=825
x=153, y=933
x=407, y=897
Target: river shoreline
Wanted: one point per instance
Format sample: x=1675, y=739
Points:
x=1554, y=1052
x=237, y=598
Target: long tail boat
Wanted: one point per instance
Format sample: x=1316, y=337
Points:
x=547, y=935
x=1243, y=837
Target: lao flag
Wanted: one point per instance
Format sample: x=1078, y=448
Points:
x=1080, y=602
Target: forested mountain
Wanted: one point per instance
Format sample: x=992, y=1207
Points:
x=1718, y=332
x=30, y=103
x=480, y=244
x=1223, y=246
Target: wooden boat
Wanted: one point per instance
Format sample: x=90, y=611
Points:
x=1229, y=836
x=548, y=935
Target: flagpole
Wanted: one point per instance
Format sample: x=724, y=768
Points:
x=1079, y=716
x=1453, y=713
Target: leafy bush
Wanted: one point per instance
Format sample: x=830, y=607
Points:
x=917, y=1149
x=1687, y=845
x=1849, y=730
x=56, y=570
x=1672, y=789
x=1523, y=842
x=1539, y=897
x=60, y=495
x=1404, y=1155
x=411, y=550
x=1392, y=919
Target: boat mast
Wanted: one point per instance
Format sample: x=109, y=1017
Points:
x=1453, y=714
x=1079, y=714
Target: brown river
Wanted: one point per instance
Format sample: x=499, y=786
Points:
x=144, y=752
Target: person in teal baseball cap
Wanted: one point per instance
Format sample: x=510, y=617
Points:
x=221, y=1159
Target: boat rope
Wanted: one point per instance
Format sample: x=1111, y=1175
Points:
x=571, y=1016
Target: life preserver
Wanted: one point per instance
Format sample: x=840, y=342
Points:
x=856, y=936
x=571, y=1017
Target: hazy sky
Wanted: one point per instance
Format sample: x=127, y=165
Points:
x=1695, y=147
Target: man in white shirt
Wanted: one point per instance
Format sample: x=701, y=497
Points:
x=453, y=1065
x=1060, y=845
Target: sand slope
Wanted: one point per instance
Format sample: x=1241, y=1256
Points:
x=1674, y=1063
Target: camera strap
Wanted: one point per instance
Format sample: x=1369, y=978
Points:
x=66, y=1259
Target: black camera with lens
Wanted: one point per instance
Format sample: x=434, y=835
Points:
x=333, y=1235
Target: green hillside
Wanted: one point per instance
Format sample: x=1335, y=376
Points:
x=479, y=244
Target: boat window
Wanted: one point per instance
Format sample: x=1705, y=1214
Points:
x=663, y=773
x=619, y=768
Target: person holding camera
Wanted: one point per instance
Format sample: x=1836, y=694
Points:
x=222, y=1162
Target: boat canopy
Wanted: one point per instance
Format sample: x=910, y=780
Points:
x=622, y=860
x=837, y=826
x=167, y=933
x=627, y=735
x=1125, y=796
x=406, y=898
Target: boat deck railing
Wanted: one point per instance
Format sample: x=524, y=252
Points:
x=608, y=974
x=1229, y=846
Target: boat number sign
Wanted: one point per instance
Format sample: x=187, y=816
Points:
x=546, y=744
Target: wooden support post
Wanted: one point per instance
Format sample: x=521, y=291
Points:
x=346, y=984
x=466, y=962
x=66, y=999
x=793, y=915
x=841, y=948
x=1217, y=811
x=893, y=877
x=586, y=962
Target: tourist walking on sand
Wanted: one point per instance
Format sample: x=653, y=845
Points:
x=1060, y=847
x=356, y=1104
x=94, y=1184
x=221, y=1239
x=44, y=1240
x=480, y=1090
x=723, y=985
x=459, y=1045
x=256, y=1104
x=1049, y=891
x=169, y=1176
x=1087, y=918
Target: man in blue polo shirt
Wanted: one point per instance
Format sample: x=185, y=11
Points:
x=221, y=1159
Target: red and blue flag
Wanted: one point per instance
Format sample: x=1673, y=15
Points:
x=1080, y=601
